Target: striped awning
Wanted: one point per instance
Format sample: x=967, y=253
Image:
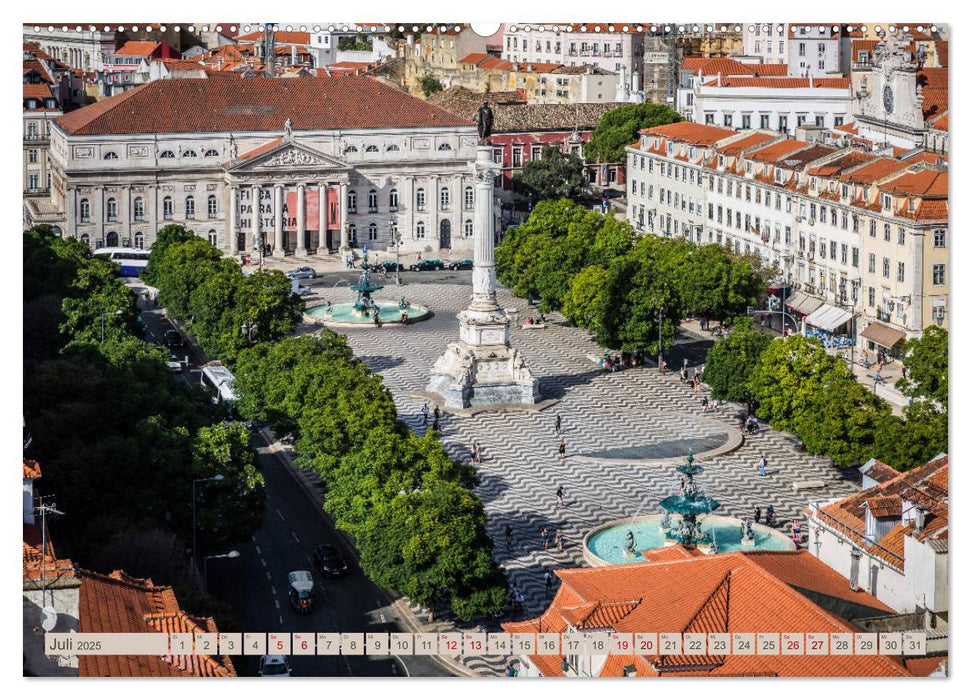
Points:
x=883, y=335
x=828, y=317
x=803, y=303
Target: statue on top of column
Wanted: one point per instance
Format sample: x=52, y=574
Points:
x=485, y=122
x=288, y=129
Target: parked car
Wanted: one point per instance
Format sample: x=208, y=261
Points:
x=329, y=561
x=174, y=364
x=302, y=591
x=302, y=273
x=274, y=667
x=173, y=339
x=297, y=288
x=465, y=264
x=390, y=265
x=428, y=264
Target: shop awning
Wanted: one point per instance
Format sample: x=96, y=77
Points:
x=883, y=335
x=828, y=317
x=803, y=303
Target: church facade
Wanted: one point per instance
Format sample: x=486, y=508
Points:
x=305, y=166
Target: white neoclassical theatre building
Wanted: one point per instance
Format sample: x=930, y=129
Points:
x=331, y=161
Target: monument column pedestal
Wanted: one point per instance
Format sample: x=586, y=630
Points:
x=482, y=369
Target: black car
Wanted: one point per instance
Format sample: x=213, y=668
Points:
x=329, y=561
x=429, y=264
x=390, y=266
x=465, y=264
x=173, y=339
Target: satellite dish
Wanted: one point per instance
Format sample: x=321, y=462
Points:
x=48, y=618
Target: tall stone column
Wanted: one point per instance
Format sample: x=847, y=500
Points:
x=231, y=218
x=345, y=232
x=278, y=250
x=70, y=215
x=255, y=217
x=481, y=369
x=322, y=219
x=301, y=221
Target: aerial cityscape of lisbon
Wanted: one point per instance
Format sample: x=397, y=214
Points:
x=520, y=350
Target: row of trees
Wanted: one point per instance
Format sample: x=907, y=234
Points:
x=619, y=286
x=419, y=527
x=801, y=388
x=214, y=299
x=118, y=440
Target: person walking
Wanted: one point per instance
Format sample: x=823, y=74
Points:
x=903, y=371
x=769, y=515
x=435, y=423
x=558, y=424
x=762, y=464
x=877, y=376
x=476, y=454
x=548, y=581
x=437, y=412
x=758, y=514
x=558, y=540
x=559, y=498
x=511, y=670
x=508, y=537
x=424, y=414
x=545, y=534
x=684, y=374
x=562, y=450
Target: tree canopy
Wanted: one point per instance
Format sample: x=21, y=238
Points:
x=731, y=360
x=555, y=175
x=926, y=359
x=620, y=127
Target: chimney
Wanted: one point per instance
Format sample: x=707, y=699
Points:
x=719, y=80
x=293, y=55
x=636, y=80
x=920, y=516
x=810, y=81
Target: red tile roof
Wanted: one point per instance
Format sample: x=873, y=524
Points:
x=881, y=472
x=31, y=469
x=137, y=48
x=926, y=183
x=714, y=593
x=940, y=123
x=714, y=66
x=933, y=82
x=777, y=151
x=752, y=140
x=874, y=170
x=122, y=603
x=256, y=104
x=923, y=666
x=37, y=565
x=474, y=58
x=867, y=45
x=37, y=90
x=690, y=132
x=885, y=506
x=838, y=166
x=259, y=150
x=279, y=37
x=840, y=83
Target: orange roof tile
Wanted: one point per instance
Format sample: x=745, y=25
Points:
x=836, y=167
x=256, y=104
x=880, y=472
x=259, y=150
x=118, y=602
x=777, y=151
x=279, y=37
x=736, y=147
x=926, y=183
x=821, y=83
x=940, y=123
x=38, y=91
x=874, y=170
x=31, y=469
x=690, y=132
x=923, y=666
x=850, y=128
x=40, y=562
x=885, y=506
x=137, y=48
x=714, y=66
x=724, y=592
x=474, y=58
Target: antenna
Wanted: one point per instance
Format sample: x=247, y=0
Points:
x=45, y=505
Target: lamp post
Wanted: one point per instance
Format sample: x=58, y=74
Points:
x=397, y=258
x=119, y=312
x=660, y=356
x=249, y=330
x=217, y=477
x=205, y=566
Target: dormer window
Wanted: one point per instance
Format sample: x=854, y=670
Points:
x=911, y=204
x=812, y=184
x=212, y=153
x=371, y=149
x=166, y=154
x=445, y=147
x=887, y=201
x=350, y=149
x=721, y=161
x=845, y=191
x=392, y=148
x=189, y=154
x=111, y=155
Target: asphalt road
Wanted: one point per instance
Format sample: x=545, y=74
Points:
x=256, y=582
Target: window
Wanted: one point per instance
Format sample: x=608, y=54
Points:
x=212, y=153
x=190, y=207
x=189, y=154
x=536, y=152
x=372, y=201
x=837, y=121
x=392, y=149
x=800, y=119
x=763, y=121
x=350, y=149
x=374, y=149
x=938, y=273
x=886, y=232
x=844, y=253
x=820, y=120
x=467, y=229
x=444, y=199
x=167, y=208
x=420, y=199
x=32, y=155
x=469, y=198
x=872, y=263
x=352, y=233
x=112, y=210
x=802, y=48
x=886, y=268
x=856, y=256
x=85, y=211
x=900, y=272
x=517, y=157
x=886, y=201
x=139, y=209
x=871, y=296
x=420, y=229
x=728, y=120
x=393, y=200
x=709, y=117
x=746, y=121
x=444, y=147
x=783, y=123
x=873, y=228
x=832, y=250
x=111, y=155
x=939, y=238
x=140, y=240
x=166, y=154
x=213, y=238
x=352, y=202
x=372, y=232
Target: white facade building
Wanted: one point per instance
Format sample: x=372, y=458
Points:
x=605, y=46
x=814, y=51
x=770, y=42
x=289, y=144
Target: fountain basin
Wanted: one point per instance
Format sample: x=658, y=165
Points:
x=346, y=314
x=604, y=544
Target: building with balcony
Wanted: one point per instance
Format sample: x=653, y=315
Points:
x=298, y=165
x=605, y=46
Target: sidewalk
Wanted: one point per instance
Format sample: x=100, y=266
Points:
x=335, y=262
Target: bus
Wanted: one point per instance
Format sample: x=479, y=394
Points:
x=220, y=382
x=131, y=260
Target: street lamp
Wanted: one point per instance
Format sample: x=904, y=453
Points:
x=217, y=477
x=396, y=237
x=119, y=312
x=205, y=566
x=660, y=356
x=249, y=330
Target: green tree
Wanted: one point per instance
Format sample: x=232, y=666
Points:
x=716, y=283
x=429, y=85
x=620, y=127
x=582, y=297
x=358, y=42
x=926, y=359
x=168, y=235
x=181, y=269
x=908, y=441
x=841, y=422
x=556, y=175
x=730, y=362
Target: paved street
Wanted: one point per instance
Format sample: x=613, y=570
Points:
x=521, y=471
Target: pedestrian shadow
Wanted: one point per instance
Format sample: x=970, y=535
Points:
x=490, y=486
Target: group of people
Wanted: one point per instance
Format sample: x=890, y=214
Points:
x=436, y=413
x=693, y=380
x=549, y=538
x=530, y=321
x=769, y=515
x=612, y=363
